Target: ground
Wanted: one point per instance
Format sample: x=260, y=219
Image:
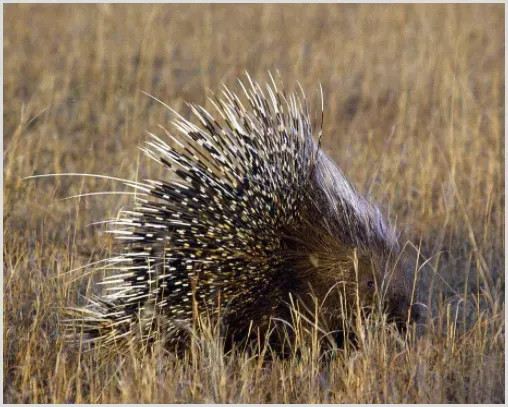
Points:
x=414, y=114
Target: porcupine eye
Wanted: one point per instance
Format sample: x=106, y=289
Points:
x=370, y=284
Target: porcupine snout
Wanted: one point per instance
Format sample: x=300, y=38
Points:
x=403, y=310
x=399, y=309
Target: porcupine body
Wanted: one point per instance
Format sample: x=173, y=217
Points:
x=253, y=211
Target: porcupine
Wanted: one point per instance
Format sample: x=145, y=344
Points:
x=255, y=213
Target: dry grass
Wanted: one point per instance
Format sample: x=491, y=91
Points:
x=414, y=111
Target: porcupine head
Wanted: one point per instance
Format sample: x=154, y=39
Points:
x=349, y=254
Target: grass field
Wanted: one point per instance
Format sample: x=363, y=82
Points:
x=414, y=111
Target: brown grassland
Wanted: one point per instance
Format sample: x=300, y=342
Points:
x=414, y=111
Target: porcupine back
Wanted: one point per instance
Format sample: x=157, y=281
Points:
x=252, y=211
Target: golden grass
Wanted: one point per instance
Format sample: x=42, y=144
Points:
x=414, y=112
